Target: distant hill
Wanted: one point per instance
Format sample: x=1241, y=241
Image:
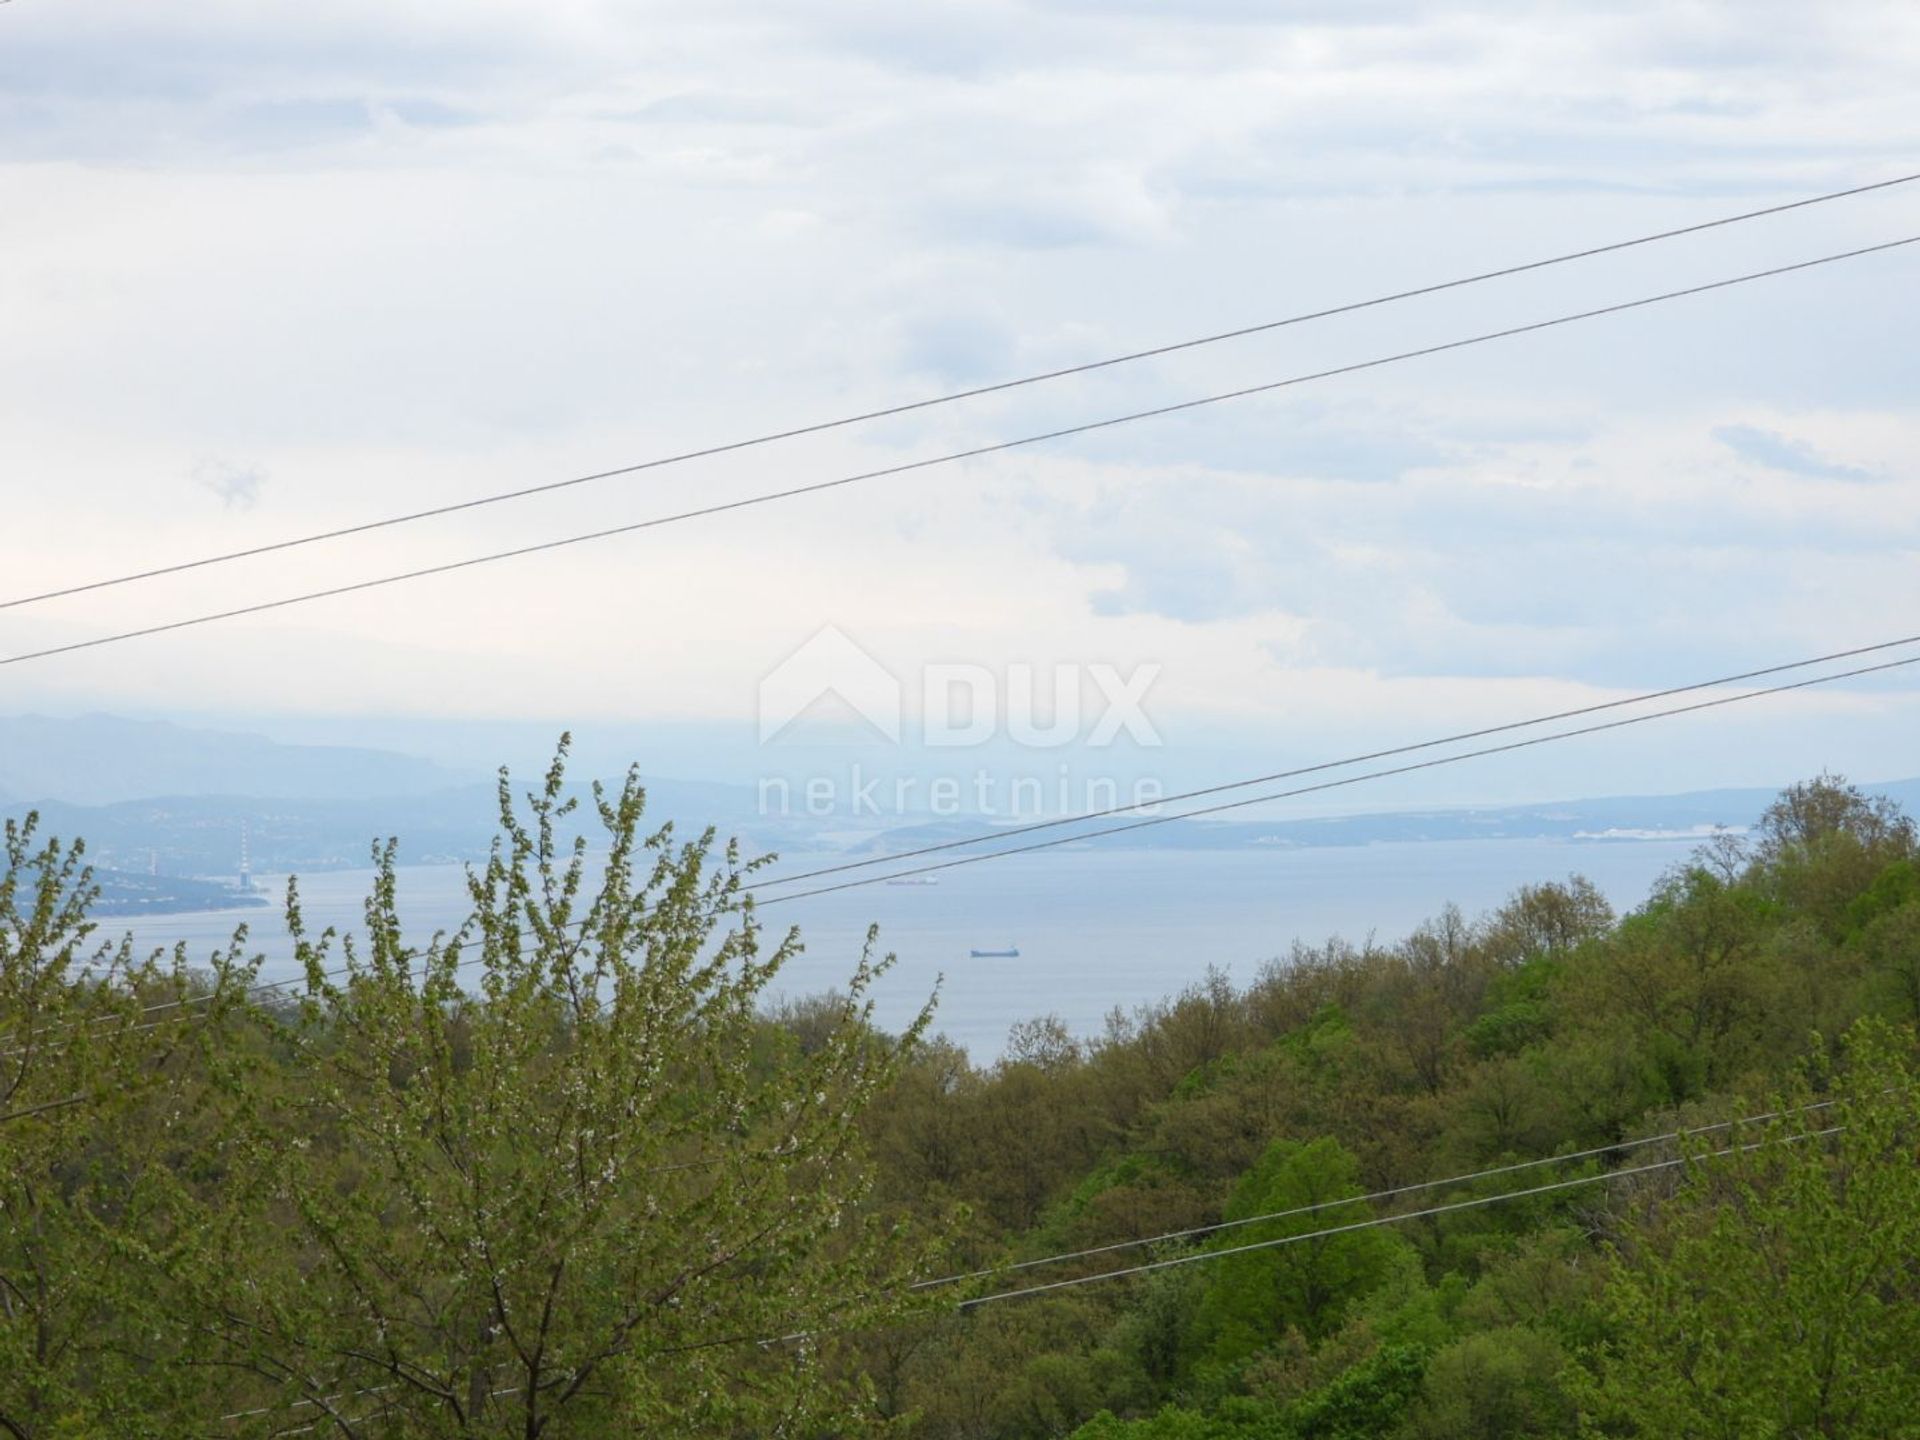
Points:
x=200, y=835
x=103, y=759
x=188, y=835
x=1621, y=818
x=160, y=802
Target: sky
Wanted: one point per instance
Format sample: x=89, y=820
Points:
x=276, y=269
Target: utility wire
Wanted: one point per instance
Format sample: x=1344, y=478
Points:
x=999, y=447
x=909, y=407
x=1388, y=1194
x=1343, y=781
x=1010, y=832
x=1267, y=1218
x=1377, y=1220
x=1327, y=1232
x=1200, y=1257
x=270, y=987
x=42, y=1108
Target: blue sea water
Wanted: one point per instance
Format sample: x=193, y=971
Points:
x=1095, y=929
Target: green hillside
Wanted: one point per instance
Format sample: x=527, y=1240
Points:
x=1550, y=1171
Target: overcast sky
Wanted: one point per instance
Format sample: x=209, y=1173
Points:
x=273, y=268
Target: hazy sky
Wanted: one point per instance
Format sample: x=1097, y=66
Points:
x=274, y=268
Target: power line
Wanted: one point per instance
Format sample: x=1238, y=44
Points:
x=41, y=1109
x=820, y=427
x=1199, y=1257
x=1344, y=781
x=1010, y=832
x=415, y=953
x=1372, y=1222
x=1377, y=1220
x=1387, y=1194
x=997, y=448
x=1327, y=1232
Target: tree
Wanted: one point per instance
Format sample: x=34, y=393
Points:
x=1548, y=920
x=553, y=1174
x=117, y=1099
x=1689, y=975
x=1890, y=943
x=1494, y=1385
x=1776, y=1293
x=1823, y=842
x=1436, y=979
x=1252, y=1298
x=594, y=1191
x=1815, y=812
x=1044, y=1042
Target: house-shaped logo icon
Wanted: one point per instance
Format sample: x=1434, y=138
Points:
x=830, y=666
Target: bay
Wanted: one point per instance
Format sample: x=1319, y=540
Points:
x=1095, y=929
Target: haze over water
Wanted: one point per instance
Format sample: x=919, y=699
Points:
x=1095, y=929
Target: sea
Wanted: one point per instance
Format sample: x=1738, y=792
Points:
x=1095, y=930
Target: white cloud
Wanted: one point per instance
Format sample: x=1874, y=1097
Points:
x=395, y=255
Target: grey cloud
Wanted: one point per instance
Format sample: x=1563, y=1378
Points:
x=1198, y=583
x=1358, y=444
x=427, y=112
x=1470, y=578
x=1792, y=457
x=1101, y=175
x=946, y=40
x=712, y=107
x=1031, y=225
x=1258, y=12
x=295, y=122
x=960, y=348
x=177, y=60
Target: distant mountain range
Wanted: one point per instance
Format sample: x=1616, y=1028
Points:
x=203, y=835
x=100, y=759
x=1622, y=818
x=167, y=809
x=154, y=799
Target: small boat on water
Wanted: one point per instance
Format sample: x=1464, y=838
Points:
x=1010, y=953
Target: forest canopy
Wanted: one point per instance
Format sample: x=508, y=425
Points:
x=571, y=1170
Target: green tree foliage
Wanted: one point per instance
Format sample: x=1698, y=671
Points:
x=119, y=1078
x=564, y=1171
x=1546, y=1027
x=1249, y=1299
x=551, y=1174
x=1776, y=1292
x=1497, y=1384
